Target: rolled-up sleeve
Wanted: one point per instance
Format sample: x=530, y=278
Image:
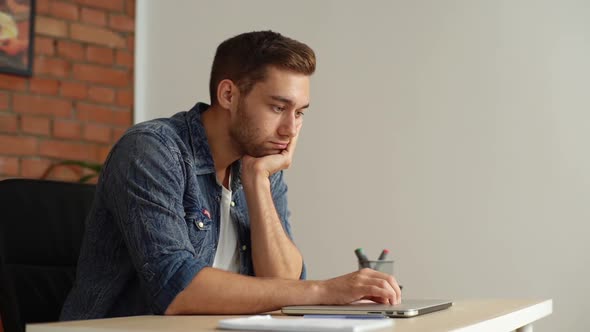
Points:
x=146, y=175
x=279, y=194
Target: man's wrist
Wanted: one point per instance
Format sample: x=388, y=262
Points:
x=318, y=291
x=256, y=180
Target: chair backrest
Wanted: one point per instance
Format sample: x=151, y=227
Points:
x=41, y=229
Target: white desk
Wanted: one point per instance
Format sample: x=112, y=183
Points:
x=464, y=316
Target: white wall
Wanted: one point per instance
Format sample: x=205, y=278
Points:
x=454, y=133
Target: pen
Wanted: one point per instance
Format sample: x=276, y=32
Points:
x=363, y=260
x=381, y=258
x=383, y=254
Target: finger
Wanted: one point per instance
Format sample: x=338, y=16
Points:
x=395, y=286
x=376, y=299
x=291, y=146
x=384, y=285
x=398, y=290
x=387, y=279
x=378, y=293
x=390, y=279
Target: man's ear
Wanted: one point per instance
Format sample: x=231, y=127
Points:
x=227, y=94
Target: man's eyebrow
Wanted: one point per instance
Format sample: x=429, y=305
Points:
x=286, y=101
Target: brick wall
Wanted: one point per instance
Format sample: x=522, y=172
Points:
x=80, y=98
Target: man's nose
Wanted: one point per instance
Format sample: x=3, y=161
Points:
x=288, y=126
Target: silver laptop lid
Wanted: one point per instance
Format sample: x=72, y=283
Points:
x=408, y=308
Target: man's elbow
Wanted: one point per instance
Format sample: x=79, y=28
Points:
x=170, y=311
x=174, y=308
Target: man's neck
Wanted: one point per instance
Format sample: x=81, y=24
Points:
x=216, y=123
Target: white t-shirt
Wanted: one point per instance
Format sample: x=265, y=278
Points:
x=226, y=256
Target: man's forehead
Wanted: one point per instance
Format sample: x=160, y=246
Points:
x=286, y=87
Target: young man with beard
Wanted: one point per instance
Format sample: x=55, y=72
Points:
x=190, y=214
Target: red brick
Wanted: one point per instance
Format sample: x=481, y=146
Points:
x=117, y=133
x=67, y=129
x=44, y=86
x=101, y=55
x=34, y=167
x=125, y=58
x=101, y=114
x=42, y=6
x=101, y=95
x=70, y=50
x=97, y=133
x=64, y=10
x=103, y=153
x=130, y=8
x=52, y=66
x=94, y=113
x=44, y=45
x=131, y=43
x=94, y=16
x=113, y=5
x=8, y=123
x=35, y=125
x=73, y=90
x=9, y=166
x=125, y=98
x=122, y=118
x=102, y=75
x=122, y=22
x=96, y=35
x=51, y=27
x=42, y=105
x=3, y=100
x=11, y=82
x=17, y=145
x=67, y=150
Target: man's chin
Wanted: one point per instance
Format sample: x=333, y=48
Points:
x=264, y=153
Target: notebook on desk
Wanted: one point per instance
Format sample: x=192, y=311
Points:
x=408, y=308
x=268, y=323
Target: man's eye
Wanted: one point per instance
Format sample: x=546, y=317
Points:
x=278, y=109
x=299, y=114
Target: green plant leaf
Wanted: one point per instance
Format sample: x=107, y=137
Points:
x=85, y=178
x=94, y=167
x=84, y=164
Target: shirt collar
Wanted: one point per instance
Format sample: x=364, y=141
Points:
x=200, y=145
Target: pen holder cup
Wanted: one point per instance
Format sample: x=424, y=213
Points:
x=385, y=266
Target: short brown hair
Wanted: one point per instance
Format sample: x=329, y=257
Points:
x=245, y=57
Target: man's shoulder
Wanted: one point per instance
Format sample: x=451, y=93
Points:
x=182, y=134
x=179, y=127
x=160, y=126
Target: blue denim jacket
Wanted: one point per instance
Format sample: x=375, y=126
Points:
x=155, y=221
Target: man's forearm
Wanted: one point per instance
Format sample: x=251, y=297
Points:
x=215, y=291
x=273, y=252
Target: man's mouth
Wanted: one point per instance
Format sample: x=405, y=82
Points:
x=279, y=145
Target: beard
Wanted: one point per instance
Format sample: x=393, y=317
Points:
x=247, y=135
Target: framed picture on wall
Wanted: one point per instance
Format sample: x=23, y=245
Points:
x=17, y=29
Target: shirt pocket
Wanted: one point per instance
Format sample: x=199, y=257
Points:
x=200, y=231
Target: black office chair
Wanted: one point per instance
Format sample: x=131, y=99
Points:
x=41, y=229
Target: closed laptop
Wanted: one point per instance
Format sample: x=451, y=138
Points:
x=408, y=308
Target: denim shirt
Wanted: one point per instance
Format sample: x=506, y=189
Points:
x=154, y=223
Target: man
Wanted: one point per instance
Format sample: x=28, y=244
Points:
x=190, y=214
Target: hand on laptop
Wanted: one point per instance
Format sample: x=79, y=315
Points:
x=363, y=284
